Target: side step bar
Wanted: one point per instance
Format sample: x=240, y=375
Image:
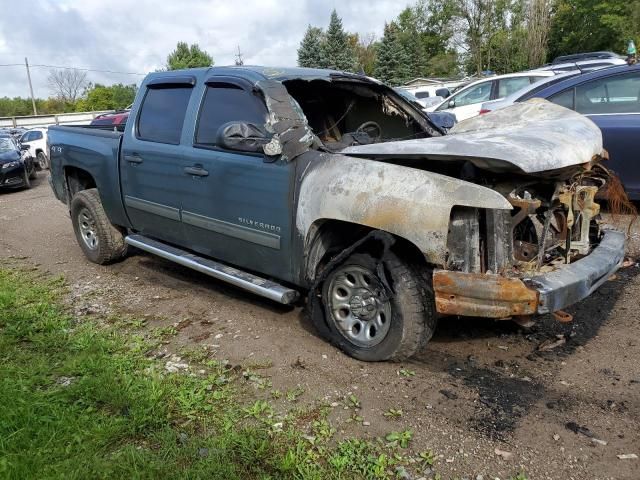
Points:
x=244, y=280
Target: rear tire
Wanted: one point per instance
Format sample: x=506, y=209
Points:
x=43, y=161
x=365, y=320
x=100, y=241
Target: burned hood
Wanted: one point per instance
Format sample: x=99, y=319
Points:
x=531, y=137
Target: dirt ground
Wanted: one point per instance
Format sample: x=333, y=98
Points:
x=479, y=387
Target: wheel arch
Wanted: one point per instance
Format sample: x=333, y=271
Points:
x=327, y=237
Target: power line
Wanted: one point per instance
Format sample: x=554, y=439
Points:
x=71, y=68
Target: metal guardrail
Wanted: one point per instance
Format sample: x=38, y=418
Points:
x=75, y=118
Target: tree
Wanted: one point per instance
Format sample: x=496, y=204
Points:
x=337, y=50
x=365, y=47
x=591, y=25
x=102, y=97
x=538, y=26
x=67, y=84
x=392, y=62
x=310, y=53
x=185, y=56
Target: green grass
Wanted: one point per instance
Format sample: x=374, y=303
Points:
x=81, y=399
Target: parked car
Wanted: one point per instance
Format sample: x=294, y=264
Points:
x=36, y=141
x=610, y=97
x=17, y=167
x=466, y=102
x=115, y=120
x=527, y=91
x=443, y=120
x=584, y=62
x=293, y=182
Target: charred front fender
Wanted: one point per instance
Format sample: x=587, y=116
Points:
x=407, y=202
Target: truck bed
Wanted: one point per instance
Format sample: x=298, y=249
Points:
x=91, y=150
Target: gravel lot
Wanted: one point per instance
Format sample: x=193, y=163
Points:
x=480, y=387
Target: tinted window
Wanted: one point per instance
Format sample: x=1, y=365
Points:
x=507, y=86
x=619, y=94
x=26, y=137
x=564, y=99
x=162, y=114
x=225, y=103
x=35, y=135
x=422, y=94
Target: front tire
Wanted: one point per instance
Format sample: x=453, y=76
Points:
x=26, y=178
x=366, y=319
x=100, y=241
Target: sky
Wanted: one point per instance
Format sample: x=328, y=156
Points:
x=137, y=35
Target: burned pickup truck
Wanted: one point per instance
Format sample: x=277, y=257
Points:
x=300, y=182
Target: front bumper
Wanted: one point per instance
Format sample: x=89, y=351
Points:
x=12, y=177
x=496, y=296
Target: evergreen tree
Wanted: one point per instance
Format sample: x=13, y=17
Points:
x=392, y=61
x=338, y=50
x=310, y=53
x=185, y=56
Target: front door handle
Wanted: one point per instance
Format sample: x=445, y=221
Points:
x=133, y=159
x=197, y=171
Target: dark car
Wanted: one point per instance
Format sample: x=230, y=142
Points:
x=610, y=97
x=115, y=121
x=17, y=167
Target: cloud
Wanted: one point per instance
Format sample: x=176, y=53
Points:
x=137, y=36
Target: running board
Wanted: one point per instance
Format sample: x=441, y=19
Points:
x=247, y=281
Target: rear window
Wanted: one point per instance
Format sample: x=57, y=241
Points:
x=616, y=94
x=422, y=94
x=162, y=114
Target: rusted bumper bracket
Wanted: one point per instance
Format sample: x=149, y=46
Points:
x=496, y=296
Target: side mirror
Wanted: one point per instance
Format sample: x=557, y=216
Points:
x=242, y=136
x=452, y=103
x=443, y=120
x=24, y=147
x=443, y=92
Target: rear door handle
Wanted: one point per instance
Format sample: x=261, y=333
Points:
x=197, y=171
x=133, y=159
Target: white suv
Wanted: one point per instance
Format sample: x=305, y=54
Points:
x=466, y=102
x=36, y=139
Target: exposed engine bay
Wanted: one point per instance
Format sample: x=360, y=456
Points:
x=346, y=113
x=553, y=222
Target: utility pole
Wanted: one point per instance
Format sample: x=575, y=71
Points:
x=239, y=60
x=33, y=100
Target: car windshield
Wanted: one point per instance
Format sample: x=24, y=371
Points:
x=6, y=145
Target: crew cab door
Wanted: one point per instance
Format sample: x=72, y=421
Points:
x=238, y=205
x=151, y=159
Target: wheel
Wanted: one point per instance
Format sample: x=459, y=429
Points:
x=26, y=178
x=100, y=241
x=43, y=161
x=370, y=322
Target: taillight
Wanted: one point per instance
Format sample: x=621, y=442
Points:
x=483, y=111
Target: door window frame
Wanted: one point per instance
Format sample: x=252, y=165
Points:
x=242, y=84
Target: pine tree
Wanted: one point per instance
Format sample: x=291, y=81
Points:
x=338, y=51
x=310, y=53
x=392, y=62
x=185, y=56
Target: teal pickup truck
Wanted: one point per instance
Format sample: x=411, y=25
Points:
x=294, y=183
